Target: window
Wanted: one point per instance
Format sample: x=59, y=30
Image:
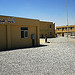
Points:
x=58, y=29
x=62, y=29
x=59, y=34
x=66, y=28
x=50, y=33
x=50, y=26
x=70, y=28
x=24, y=32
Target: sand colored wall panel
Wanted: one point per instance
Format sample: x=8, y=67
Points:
x=2, y=37
x=21, y=21
x=59, y=34
x=8, y=30
x=45, y=29
x=17, y=41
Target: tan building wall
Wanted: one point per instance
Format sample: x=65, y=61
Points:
x=2, y=37
x=10, y=32
x=46, y=29
x=65, y=29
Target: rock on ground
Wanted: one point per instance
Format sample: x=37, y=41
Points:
x=54, y=58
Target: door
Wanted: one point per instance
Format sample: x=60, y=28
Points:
x=33, y=39
x=62, y=34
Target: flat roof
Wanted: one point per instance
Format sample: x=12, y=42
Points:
x=65, y=26
x=46, y=21
x=19, y=17
x=26, y=18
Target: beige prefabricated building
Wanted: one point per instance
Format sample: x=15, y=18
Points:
x=47, y=28
x=18, y=32
x=65, y=31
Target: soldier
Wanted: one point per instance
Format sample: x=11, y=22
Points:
x=45, y=38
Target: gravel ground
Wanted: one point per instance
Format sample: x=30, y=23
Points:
x=57, y=58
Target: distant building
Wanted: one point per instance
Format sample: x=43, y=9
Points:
x=18, y=32
x=65, y=31
x=47, y=28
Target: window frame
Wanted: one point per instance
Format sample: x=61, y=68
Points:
x=50, y=26
x=58, y=29
x=24, y=33
x=66, y=28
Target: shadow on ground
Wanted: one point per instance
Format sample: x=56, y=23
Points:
x=21, y=48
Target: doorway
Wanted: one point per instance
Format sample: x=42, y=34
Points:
x=62, y=34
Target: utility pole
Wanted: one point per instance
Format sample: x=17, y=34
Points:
x=67, y=18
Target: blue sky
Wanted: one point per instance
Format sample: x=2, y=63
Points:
x=44, y=10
